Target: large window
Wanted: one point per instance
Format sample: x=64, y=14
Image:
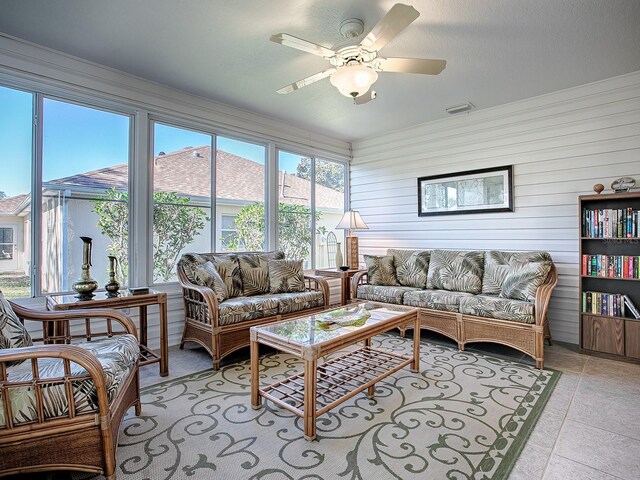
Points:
x=85, y=183
x=181, y=197
x=240, y=195
x=16, y=120
x=68, y=165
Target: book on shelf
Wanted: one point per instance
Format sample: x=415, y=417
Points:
x=610, y=304
x=631, y=307
x=611, y=223
x=611, y=266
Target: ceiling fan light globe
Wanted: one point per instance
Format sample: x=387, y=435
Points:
x=353, y=80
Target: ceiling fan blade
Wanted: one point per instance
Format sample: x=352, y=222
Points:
x=396, y=20
x=300, y=44
x=410, y=65
x=367, y=97
x=306, y=81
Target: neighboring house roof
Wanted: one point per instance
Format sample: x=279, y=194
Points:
x=12, y=205
x=188, y=172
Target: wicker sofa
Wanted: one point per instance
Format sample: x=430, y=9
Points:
x=477, y=296
x=219, y=319
x=63, y=396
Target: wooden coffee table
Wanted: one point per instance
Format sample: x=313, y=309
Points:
x=321, y=387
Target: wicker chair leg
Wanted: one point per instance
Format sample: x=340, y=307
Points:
x=540, y=364
x=216, y=364
x=461, y=346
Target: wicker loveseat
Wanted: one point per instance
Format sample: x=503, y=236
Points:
x=219, y=319
x=61, y=404
x=477, y=296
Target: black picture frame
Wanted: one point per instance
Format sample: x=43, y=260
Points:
x=441, y=194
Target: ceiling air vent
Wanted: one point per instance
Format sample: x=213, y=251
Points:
x=465, y=107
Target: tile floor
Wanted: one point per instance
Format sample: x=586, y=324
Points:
x=589, y=430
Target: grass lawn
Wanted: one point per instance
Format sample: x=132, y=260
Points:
x=15, y=285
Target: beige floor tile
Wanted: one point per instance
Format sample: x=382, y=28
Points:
x=564, y=360
x=616, y=410
x=531, y=464
x=599, y=449
x=560, y=468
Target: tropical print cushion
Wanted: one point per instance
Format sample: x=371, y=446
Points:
x=498, y=307
x=497, y=265
x=456, y=270
x=254, y=270
x=297, y=301
x=117, y=355
x=240, y=309
x=380, y=270
x=523, y=280
x=188, y=262
x=383, y=293
x=435, y=299
x=411, y=267
x=286, y=276
x=12, y=332
x=207, y=276
x=229, y=270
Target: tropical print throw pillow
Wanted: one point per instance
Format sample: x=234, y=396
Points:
x=229, y=270
x=380, y=270
x=456, y=270
x=207, y=276
x=286, y=276
x=254, y=269
x=412, y=267
x=12, y=332
x=523, y=280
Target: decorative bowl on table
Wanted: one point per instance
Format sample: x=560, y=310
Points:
x=344, y=268
x=344, y=317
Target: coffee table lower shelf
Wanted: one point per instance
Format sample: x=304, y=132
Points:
x=336, y=380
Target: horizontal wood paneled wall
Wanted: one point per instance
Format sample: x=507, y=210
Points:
x=560, y=145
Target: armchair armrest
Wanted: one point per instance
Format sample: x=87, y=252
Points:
x=195, y=296
x=318, y=283
x=66, y=353
x=543, y=296
x=359, y=278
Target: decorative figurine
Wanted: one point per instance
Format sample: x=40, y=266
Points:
x=112, y=285
x=85, y=285
x=598, y=188
x=623, y=184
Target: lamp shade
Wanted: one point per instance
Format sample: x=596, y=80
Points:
x=353, y=80
x=352, y=220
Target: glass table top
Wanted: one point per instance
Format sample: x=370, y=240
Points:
x=315, y=329
x=97, y=295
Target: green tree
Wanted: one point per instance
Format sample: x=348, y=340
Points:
x=175, y=225
x=294, y=232
x=329, y=174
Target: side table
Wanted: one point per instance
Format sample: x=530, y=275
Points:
x=345, y=280
x=127, y=300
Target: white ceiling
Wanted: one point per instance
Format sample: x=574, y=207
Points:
x=498, y=51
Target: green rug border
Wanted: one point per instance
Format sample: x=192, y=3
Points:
x=513, y=453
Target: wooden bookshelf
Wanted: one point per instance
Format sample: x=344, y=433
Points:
x=618, y=336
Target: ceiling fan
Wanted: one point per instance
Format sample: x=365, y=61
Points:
x=355, y=67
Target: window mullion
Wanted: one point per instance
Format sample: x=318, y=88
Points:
x=36, y=196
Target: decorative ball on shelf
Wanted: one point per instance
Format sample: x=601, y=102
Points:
x=598, y=188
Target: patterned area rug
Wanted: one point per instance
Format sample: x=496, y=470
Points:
x=464, y=416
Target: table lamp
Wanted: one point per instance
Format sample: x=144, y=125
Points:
x=351, y=221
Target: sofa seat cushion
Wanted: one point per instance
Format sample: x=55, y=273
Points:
x=240, y=309
x=384, y=293
x=436, y=299
x=490, y=306
x=456, y=271
x=117, y=355
x=296, y=301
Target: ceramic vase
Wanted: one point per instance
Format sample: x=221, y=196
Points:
x=112, y=285
x=339, y=259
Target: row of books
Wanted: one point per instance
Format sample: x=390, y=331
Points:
x=611, y=304
x=611, y=266
x=611, y=223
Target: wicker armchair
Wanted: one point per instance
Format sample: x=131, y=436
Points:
x=203, y=324
x=62, y=404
